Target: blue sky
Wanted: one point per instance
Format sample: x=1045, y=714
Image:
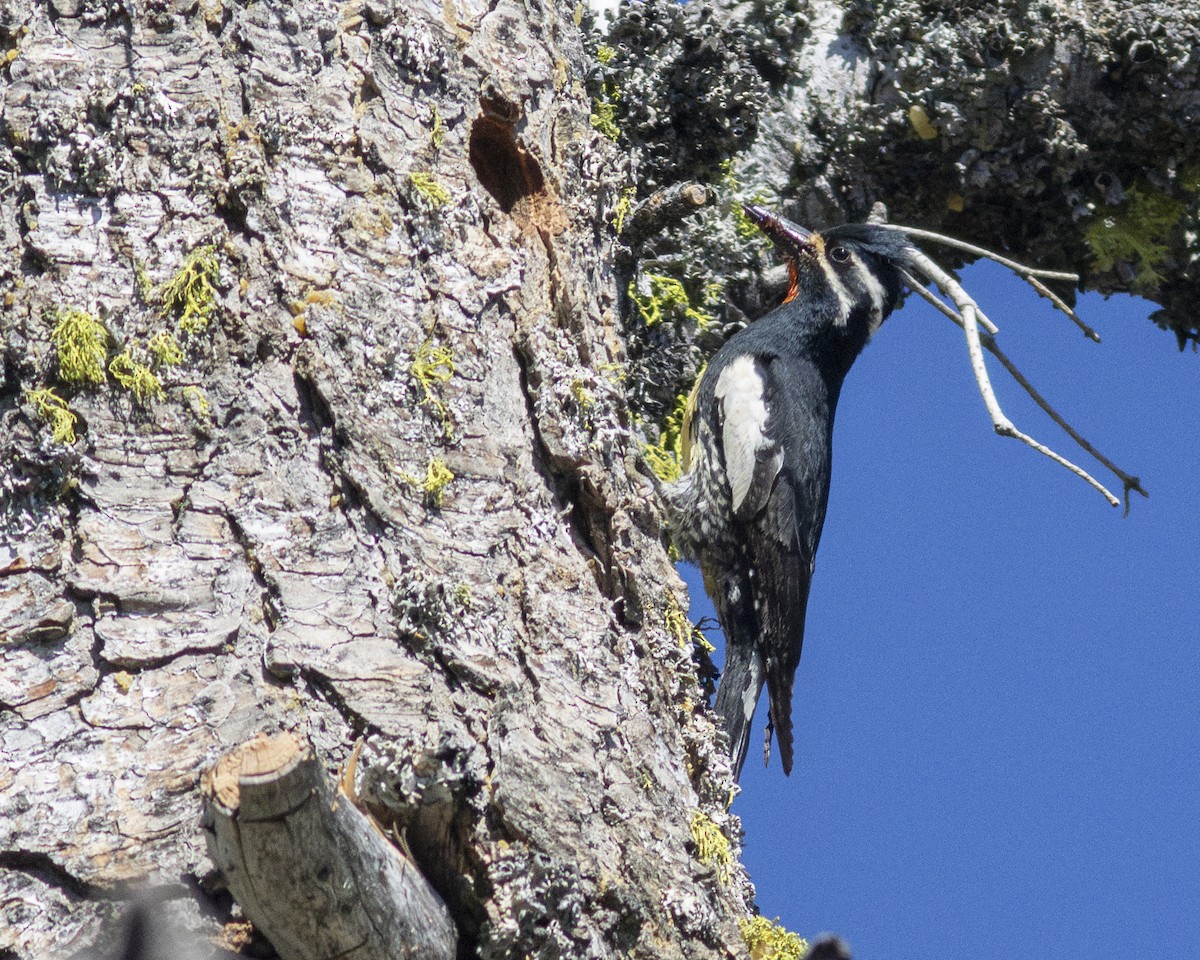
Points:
x=997, y=712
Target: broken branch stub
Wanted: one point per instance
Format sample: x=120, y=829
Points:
x=310, y=870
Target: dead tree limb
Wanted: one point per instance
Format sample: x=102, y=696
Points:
x=663, y=206
x=311, y=871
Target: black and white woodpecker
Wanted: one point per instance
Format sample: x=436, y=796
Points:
x=750, y=506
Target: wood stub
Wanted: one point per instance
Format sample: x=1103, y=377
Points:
x=664, y=207
x=310, y=870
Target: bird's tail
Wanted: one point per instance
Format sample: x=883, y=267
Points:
x=779, y=693
x=741, y=684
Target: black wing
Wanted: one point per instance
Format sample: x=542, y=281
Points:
x=783, y=576
x=784, y=528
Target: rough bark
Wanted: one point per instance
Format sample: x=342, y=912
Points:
x=392, y=487
x=271, y=544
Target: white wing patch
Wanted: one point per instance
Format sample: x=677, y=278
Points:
x=744, y=412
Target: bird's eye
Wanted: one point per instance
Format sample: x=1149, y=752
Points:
x=839, y=254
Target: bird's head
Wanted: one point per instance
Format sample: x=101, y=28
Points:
x=847, y=278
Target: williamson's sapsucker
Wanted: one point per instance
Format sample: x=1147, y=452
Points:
x=750, y=506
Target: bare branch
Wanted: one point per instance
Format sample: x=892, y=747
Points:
x=1055, y=299
x=919, y=288
x=663, y=207
x=1018, y=268
x=315, y=874
x=1029, y=274
x=969, y=318
x=1129, y=482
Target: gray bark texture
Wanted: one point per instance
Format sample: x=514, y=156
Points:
x=333, y=302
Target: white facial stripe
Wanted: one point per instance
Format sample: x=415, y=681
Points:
x=845, y=301
x=874, y=288
x=740, y=393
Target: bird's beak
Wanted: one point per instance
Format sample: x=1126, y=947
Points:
x=792, y=237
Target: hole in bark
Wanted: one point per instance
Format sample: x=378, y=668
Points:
x=1142, y=52
x=315, y=413
x=510, y=174
x=10, y=385
x=504, y=169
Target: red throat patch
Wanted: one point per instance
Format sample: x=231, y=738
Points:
x=793, y=282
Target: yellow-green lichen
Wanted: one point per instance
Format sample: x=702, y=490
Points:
x=669, y=456
x=437, y=136
x=433, y=484
x=746, y=228
x=604, y=111
x=432, y=366
x=605, y=54
x=712, y=846
x=743, y=226
x=135, y=376
x=667, y=299
x=165, y=349
x=583, y=396
x=676, y=621
x=918, y=118
x=681, y=629
x=1136, y=232
x=81, y=343
x=769, y=941
x=145, y=286
x=624, y=205
x=662, y=460
x=464, y=595
x=612, y=371
x=54, y=410
x=197, y=398
x=428, y=186
x=191, y=295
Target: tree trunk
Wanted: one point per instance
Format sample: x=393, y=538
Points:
x=330, y=299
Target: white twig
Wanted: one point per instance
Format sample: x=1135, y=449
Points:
x=1129, y=482
x=968, y=317
x=1018, y=268
x=919, y=288
x=1055, y=299
x=1029, y=274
